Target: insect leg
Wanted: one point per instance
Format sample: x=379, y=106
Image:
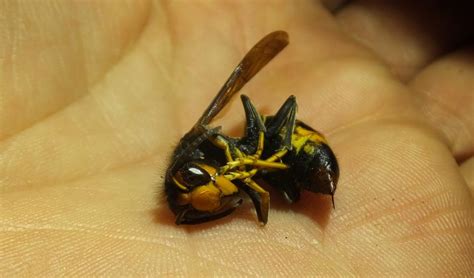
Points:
x=284, y=120
x=262, y=164
x=241, y=159
x=261, y=139
x=223, y=143
x=277, y=156
x=260, y=198
x=240, y=175
x=253, y=119
x=270, y=165
x=255, y=128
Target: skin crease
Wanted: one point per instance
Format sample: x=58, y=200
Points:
x=94, y=95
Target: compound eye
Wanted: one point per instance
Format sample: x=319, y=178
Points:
x=191, y=175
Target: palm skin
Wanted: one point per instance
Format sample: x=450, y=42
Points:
x=93, y=105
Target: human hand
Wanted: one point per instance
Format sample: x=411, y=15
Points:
x=94, y=96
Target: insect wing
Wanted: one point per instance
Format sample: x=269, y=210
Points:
x=264, y=51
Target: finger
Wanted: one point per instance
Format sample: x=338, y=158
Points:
x=106, y=129
x=86, y=223
x=446, y=97
x=52, y=53
x=407, y=35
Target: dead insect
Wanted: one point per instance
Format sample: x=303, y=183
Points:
x=209, y=169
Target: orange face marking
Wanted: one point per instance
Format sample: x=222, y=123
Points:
x=184, y=199
x=225, y=185
x=206, y=198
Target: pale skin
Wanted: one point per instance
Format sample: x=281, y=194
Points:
x=95, y=95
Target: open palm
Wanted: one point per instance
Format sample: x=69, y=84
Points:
x=94, y=97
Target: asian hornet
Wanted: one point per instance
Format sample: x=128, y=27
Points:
x=209, y=169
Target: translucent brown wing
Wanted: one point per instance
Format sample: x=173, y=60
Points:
x=251, y=64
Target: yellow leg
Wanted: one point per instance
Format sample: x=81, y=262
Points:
x=270, y=165
x=261, y=139
x=230, y=165
x=240, y=155
x=221, y=143
x=259, y=151
x=240, y=175
x=277, y=156
x=251, y=161
x=254, y=159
